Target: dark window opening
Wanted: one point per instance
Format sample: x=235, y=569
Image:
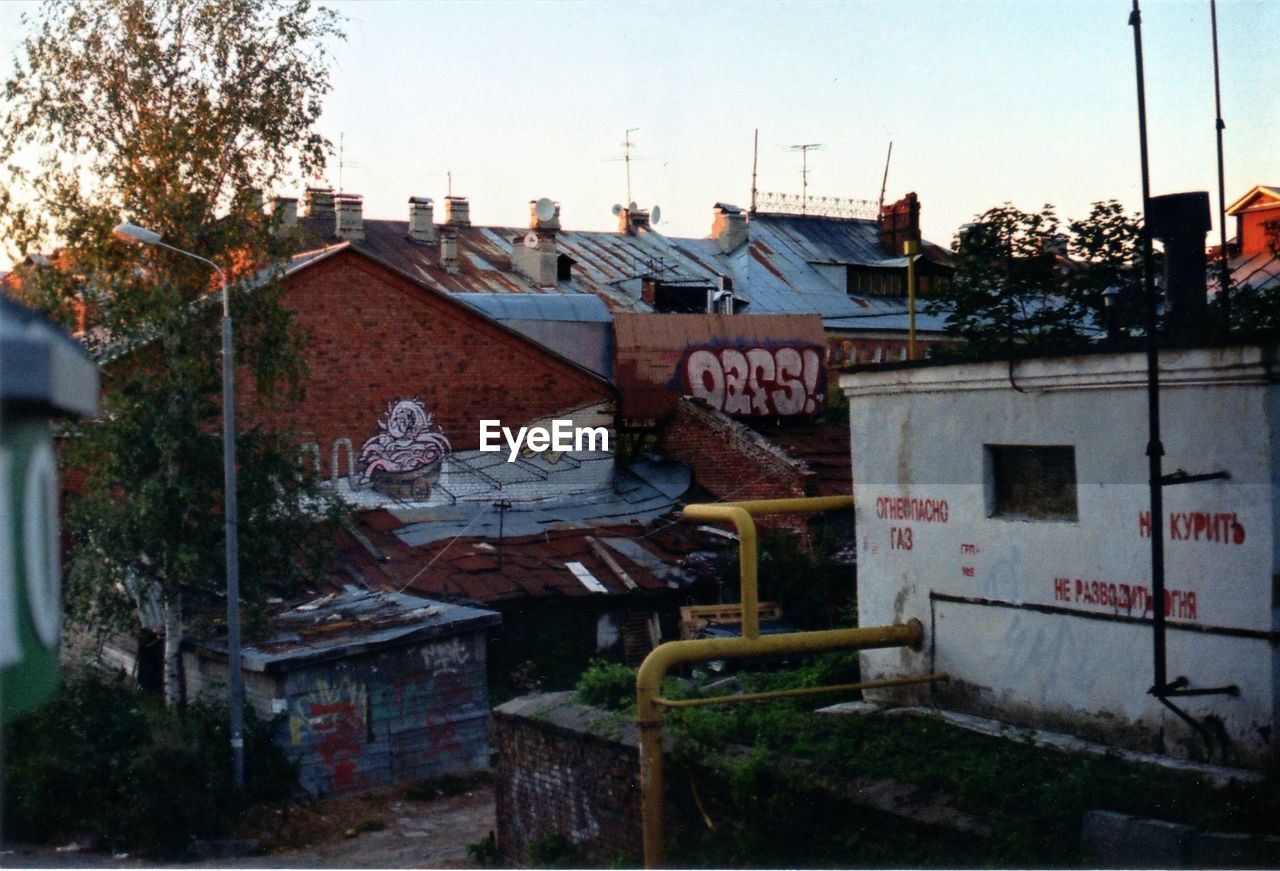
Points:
x=564, y=263
x=1034, y=482
x=873, y=281
x=680, y=298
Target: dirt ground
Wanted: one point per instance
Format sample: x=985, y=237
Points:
x=421, y=826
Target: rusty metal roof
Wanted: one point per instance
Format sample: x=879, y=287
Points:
x=651, y=347
x=469, y=569
x=351, y=620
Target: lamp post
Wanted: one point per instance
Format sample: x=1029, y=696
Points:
x=235, y=681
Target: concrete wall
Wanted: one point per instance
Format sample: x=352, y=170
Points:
x=389, y=716
x=1047, y=621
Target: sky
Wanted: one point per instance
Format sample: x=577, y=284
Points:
x=985, y=102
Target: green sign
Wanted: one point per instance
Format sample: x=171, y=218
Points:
x=30, y=574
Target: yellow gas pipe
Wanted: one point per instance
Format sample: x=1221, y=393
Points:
x=649, y=701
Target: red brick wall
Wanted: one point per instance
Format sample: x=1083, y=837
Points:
x=375, y=336
x=733, y=461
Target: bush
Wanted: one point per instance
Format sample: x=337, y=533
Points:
x=109, y=763
x=554, y=851
x=608, y=685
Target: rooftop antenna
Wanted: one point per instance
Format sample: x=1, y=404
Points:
x=755, y=161
x=626, y=156
x=449, y=186
x=804, y=171
x=342, y=160
x=1224, y=284
x=884, y=183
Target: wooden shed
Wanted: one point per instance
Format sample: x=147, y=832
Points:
x=369, y=688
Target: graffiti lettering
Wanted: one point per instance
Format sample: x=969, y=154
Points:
x=757, y=381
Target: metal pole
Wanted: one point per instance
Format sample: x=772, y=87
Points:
x=910, y=247
x=235, y=678
x=1155, y=449
x=1224, y=286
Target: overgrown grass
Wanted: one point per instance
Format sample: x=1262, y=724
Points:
x=1033, y=799
x=109, y=764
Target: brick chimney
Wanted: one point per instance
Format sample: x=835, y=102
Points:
x=899, y=222
x=457, y=211
x=449, y=248
x=284, y=212
x=632, y=221
x=318, y=202
x=729, y=228
x=349, y=217
x=535, y=255
x=422, y=226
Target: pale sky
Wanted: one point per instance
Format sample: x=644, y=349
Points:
x=1030, y=102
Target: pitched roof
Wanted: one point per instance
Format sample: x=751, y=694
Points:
x=529, y=566
x=1271, y=191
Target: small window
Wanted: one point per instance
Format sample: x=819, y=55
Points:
x=1032, y=482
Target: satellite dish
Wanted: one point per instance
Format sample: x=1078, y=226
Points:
x=531, y=240
x=632, y=206
x=545, y=209
x=617, y=210
x=655, y=214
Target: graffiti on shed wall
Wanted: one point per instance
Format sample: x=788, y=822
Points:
x=757, y=381
x=404, y=458
x=331, y=718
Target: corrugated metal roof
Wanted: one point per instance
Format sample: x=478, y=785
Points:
x=573, y=307
x=778, y=272
x=351, y=620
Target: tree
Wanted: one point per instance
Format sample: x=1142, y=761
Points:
x=1020, y=282
x=1255, y=306
x=171, y=114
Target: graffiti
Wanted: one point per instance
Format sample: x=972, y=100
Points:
x=403, y=460
x=759, y=381
x=445, y=654
x=332, y=720
x=451, y=695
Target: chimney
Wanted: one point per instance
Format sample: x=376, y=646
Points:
x=349, y=217
x=1181, y=221
x=284, y=214
x=534, y=255
x=899, y=222
x=449, y=248
x=422, y=227
x=457, y=211
x=632, y=220
x=318, y=202
x=729, y=228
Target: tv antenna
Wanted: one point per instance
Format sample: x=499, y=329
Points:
x=884, y=183
x=804, y=170
x=342, y=161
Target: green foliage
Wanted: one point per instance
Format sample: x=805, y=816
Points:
x=608, y=685
x=554, y=850
x=169, y=113
x=813, y=588
x=1033, y=798
x=484, y=852
x=106, y=762
x=1009, y=291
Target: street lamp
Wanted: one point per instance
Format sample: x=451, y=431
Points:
x=143, y=236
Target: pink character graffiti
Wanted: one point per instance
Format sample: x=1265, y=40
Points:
x=403, y=460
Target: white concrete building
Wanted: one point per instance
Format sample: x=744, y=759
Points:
x=1006, y=507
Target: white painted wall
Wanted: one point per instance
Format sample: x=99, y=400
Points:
x=920, y=433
